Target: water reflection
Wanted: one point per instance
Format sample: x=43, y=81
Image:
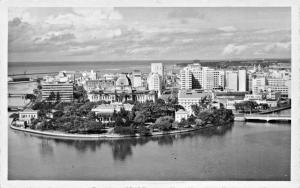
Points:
x=122, y=148
x=46, y=149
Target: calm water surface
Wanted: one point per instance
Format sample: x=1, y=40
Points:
x=244, y=151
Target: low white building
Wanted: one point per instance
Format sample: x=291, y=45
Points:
x=27, y=115
x=253, y=97
x=181, y=114
x=105, y=111
x=188, y=98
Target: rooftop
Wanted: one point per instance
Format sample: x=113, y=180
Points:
x=192, y=94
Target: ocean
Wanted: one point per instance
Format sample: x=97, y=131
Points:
x=99, y=66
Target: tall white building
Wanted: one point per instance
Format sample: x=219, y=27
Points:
x=196, y=77
x=232, y=80
x=219, y=79
x=242, y=80
x=157, y=68
x=137, y=78
x=258, y=84
x=186, y=78
x=154, y=82
x=207, y=78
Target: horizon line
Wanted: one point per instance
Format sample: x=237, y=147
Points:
x=205, y=60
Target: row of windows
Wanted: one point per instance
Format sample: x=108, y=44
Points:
x=28, y=115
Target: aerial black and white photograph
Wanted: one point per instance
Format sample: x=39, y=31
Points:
x=149, y=93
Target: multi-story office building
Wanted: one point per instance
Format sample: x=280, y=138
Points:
x=196, y=77
x=284, y=90
x=65, y=90
x=137, y=78
x=258, y=85
x=232, y=80
x=219, y=79
x=208, y=78
x=186, y=78
x=276, y=81
x=242, y=79
x=154, y=82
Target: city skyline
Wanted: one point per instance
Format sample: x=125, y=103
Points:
x=95, y=34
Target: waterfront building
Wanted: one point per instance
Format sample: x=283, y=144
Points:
x=27, y=115
x=272, y=103
x=105, y=111
x=65, y=90
x=228, y=99
x=154, y=82
x=273, y=95
x=189, y=98
x=249, y=97
x=285, y=91
x=181, y=114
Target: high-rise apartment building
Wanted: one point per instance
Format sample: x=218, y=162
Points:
x=242, y=80
x=196, y=77
x=207, y=78
x=158, y=68
x=186, y=78
x=154, y=82
x=219, y=79
x=232, y=80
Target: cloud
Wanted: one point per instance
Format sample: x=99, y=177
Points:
x=233, y=49
x=228, y=29
x=56, y=37
x=115, y=33
x=278, y=46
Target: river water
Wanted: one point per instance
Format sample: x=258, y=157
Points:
x=243, y=151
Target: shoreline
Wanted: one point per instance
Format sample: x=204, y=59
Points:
x=101, y=136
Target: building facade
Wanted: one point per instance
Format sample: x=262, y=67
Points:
x=65, y=90
x=154, y=82
x=189, y=98
x=158, y=68
x=27, y=115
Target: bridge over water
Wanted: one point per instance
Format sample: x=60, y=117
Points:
x=267, y=117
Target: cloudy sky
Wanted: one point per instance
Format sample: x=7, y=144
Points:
x=94, y=34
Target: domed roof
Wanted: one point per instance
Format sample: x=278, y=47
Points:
x=123, y=80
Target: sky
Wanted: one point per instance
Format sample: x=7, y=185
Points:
x=145, y=33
